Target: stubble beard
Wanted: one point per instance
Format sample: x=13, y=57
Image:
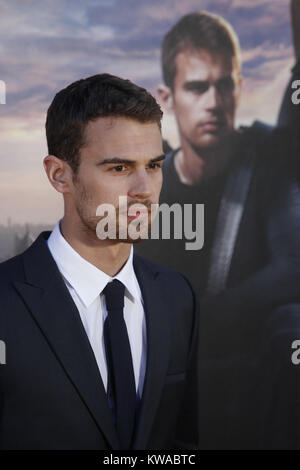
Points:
x=89, y=223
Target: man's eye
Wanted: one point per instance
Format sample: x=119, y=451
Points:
x=197, y=88
x=154, y=166
x=118, y=168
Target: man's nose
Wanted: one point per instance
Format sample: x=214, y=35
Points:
x=140, y=187
x=212, y=98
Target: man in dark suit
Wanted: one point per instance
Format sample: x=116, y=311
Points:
x=100, y=343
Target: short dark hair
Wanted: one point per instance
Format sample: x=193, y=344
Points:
x=101, y=95
x=198, y=30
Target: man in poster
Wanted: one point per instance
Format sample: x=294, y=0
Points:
x=247, y=273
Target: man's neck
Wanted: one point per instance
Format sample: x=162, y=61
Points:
x=195, y=166
x=107, y=255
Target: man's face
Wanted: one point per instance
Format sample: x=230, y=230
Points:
x=121, y=157
x=204, y=98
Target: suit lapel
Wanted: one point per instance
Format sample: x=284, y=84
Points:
x=158, y=347
x=52, y=307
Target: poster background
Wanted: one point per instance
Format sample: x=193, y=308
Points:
x=46, y=45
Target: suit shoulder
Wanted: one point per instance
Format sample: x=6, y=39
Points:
x=155, y=267
x=12, y=269
x=174, y=278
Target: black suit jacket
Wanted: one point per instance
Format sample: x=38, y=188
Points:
x=51, y=392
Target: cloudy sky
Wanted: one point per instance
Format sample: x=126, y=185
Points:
x=46, y=45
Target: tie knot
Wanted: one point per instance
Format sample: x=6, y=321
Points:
x=114, y=295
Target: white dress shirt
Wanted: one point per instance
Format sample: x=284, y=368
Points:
x=86, y=283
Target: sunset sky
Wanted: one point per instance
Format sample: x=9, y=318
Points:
x=46, y=45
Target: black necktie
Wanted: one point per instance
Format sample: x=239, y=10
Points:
x=121, y=383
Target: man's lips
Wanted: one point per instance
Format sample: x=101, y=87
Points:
x=133, y=216
x=141, y=215
x=213, y=125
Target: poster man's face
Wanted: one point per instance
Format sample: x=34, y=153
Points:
x=204, y=97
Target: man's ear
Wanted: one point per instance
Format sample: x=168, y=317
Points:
x=59, y=173
x=166, y=97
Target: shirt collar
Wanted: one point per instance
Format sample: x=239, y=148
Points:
x=87, y=280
